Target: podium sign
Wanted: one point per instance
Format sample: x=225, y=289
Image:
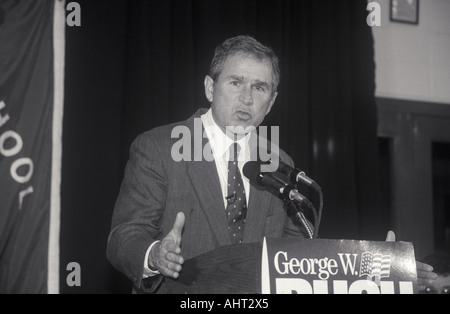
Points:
x=337, y=267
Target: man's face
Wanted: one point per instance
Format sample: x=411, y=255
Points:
x=243, y=93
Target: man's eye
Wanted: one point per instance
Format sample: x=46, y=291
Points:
x=260, y=89
x=236, y=83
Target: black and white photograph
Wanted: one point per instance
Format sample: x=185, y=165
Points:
x=224, y=151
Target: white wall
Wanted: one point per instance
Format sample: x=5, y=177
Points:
x=413, y=61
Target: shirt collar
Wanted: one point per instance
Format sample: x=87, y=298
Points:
x=220, y=142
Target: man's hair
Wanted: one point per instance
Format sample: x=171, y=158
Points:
x=244, y=45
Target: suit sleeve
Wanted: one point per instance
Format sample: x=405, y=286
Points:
x=137, y=213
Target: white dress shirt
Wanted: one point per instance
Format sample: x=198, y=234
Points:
x=220, y=146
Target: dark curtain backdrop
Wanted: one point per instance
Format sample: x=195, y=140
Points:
x=134, y=65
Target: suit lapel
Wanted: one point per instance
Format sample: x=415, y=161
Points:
x=258, y=207
x=206, y=183
x=259, y=202
x=205, y=180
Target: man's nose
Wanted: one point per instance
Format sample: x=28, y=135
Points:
x=246, y=96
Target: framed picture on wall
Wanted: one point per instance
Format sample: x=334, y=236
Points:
x=405, y=11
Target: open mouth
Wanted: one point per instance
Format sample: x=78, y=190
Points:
x=243, y=115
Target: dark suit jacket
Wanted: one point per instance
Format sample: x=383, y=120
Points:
x=155, y=188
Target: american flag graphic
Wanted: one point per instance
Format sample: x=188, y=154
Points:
x=375, y=266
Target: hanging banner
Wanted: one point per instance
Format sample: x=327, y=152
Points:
x=30, y=145
x=338, y=267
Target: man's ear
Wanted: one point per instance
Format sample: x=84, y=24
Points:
x=272, y=101
x=209, y=88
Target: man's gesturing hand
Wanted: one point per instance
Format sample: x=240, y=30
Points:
x=166, y=255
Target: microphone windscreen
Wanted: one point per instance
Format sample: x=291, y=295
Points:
x=252, y=171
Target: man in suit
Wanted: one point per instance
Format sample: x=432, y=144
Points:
x=175, y=206
x=171, y=209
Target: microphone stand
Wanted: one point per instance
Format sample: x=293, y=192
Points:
x=313, y=230
x=319, y=218
x=310, y=229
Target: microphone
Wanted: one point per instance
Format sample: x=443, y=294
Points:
x=297, y=175
x=252, y=170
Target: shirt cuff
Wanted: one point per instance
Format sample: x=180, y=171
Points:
x=147, y=271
